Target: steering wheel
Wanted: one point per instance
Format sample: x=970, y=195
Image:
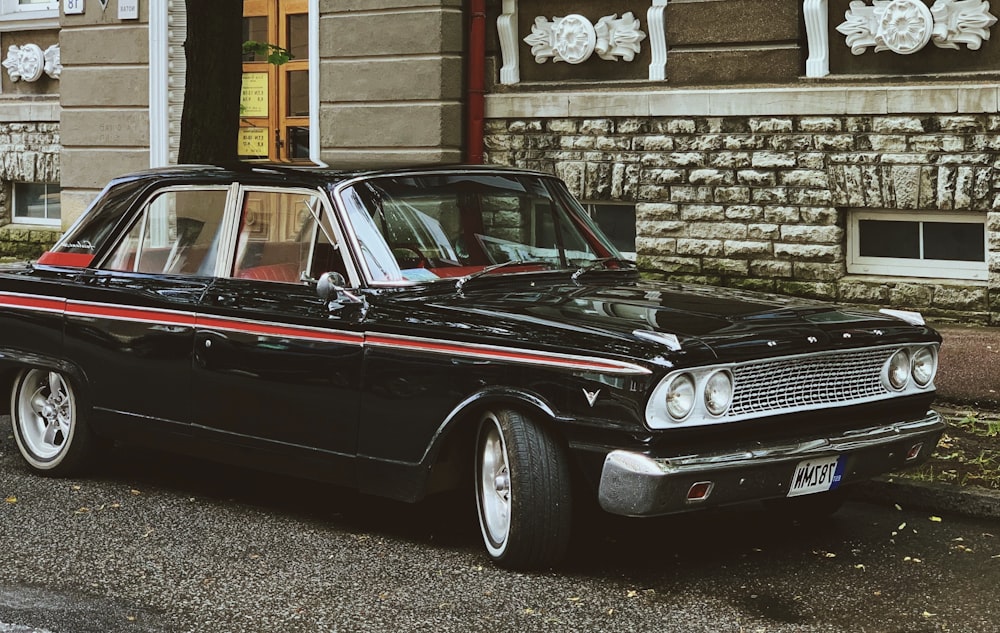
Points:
x=410, y=256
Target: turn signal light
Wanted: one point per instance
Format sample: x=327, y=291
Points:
x=914, y=451
x=700, y=491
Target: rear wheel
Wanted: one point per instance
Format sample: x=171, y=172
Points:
x=49, y=431
x=523, y=491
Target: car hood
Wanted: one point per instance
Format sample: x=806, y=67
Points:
x=662, y=321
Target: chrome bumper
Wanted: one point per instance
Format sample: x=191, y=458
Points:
x=634, y=484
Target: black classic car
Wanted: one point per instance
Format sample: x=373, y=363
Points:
x=411, y=331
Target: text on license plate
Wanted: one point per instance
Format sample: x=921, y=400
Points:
x=816, y=475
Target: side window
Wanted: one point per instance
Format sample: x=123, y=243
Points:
x=277, y=236
x=178, y=233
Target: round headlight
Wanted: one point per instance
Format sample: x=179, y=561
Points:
x=899, y=369
x=718, y=392
x=924, y=366
x=680, y=396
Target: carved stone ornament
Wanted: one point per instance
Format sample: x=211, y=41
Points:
x=574, y=38
x=961, y=22
x=28, y=62
x=906, y=26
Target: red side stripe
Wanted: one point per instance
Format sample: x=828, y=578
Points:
x=31, y=302
x=73, y=260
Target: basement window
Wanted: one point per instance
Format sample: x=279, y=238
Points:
x=37, y=203
x=922, y=244
x=618, y=223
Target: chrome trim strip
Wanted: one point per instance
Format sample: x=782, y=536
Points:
x=769, y=454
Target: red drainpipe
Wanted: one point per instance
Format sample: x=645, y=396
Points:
x=476, y=82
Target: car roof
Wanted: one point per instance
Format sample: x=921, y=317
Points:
x=307, y=175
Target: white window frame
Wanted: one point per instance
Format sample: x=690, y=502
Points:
x=22, y=220
x=902, y=267
x=17, y=17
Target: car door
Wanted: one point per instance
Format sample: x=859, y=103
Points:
x=130, y=319
x=277, y=370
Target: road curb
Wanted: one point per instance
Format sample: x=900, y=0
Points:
x=979, y=503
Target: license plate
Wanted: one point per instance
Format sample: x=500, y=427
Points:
x=816, y=475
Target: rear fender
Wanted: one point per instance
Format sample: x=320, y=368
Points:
x=16, y=361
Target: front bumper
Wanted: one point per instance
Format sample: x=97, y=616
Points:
x=634, y=484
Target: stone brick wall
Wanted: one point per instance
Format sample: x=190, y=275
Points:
x=29, y=152
x=760, y=202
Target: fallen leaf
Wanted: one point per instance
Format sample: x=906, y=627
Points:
x=898, y=507
x=135, y=492
x=574, y=599
x=936, y=519
x=902, y=526
x=632, y=593
x=11, y=499
x=860, y=566
x=928, y=614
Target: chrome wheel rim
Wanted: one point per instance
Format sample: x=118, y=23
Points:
x=46, y=414
x=494, y=486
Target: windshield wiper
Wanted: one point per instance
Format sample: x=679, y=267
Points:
x=602, y=262
x=479, y=273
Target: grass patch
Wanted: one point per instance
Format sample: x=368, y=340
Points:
x=968, y=453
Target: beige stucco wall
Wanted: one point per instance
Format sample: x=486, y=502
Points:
x=105, y=101
x=390, y=81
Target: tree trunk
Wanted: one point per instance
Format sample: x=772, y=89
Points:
x=211, y=117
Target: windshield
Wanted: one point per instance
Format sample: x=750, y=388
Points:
x=429, y=227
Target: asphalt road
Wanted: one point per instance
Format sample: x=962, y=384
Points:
x=155, y=543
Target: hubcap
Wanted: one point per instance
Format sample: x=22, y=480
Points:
x=45, y=413
x=494, y=487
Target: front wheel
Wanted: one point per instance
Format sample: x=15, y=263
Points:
x=48, y=427
x=523, y=491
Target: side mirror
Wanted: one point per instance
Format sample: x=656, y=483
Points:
x=330, y=285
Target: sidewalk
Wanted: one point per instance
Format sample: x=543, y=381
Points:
x=969, y=370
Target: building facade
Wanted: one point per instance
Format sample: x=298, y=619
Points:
x=818, y=148
x=821, y=148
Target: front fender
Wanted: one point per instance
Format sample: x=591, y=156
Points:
x=448, y=456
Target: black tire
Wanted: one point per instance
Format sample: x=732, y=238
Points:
x=49, y=428
x=523, y=491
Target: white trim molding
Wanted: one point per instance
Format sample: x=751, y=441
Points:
x=815, y=14
x=510, y=72
x=656, y=25
x=800, y=101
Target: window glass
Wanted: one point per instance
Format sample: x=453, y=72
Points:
x=255, y=30
x=298, y=93
x=179, y=232
x=277, y=231
x=955, y=241
x=298, y=141
x=446, y=226
x=881, y=238
x=617, y=221
x=298, y=35
x=37, y=203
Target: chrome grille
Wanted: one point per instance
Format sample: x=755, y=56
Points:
x=808, y=381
